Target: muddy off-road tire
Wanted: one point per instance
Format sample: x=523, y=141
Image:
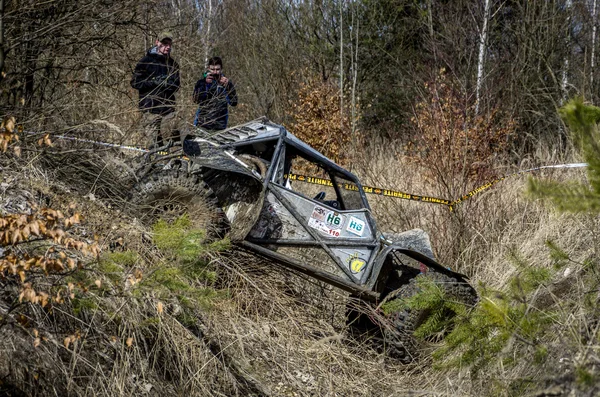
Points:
x=169, y=194
x=400, y=342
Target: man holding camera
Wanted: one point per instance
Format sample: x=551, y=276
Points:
x=214, y=93
x=156, y=77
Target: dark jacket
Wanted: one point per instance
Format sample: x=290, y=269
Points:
x=213, y=100
x=156, y=77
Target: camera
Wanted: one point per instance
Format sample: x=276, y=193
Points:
x=214, y=76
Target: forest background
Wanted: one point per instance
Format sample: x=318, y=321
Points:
x=428, y=97
x=515, y=60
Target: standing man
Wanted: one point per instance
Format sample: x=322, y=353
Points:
x=214, y=93
x=156, y=77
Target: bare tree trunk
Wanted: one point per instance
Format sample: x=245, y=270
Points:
x=354, y=76
x=341, y=63
x=207, y=36
x=593, y=54
x=430, y=26
x=2, y=40
x=482, y=48
x=565, y=76
x=177, y=8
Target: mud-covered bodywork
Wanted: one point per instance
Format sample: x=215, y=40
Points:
x=330, y=235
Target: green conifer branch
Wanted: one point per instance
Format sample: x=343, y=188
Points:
x=582, y=122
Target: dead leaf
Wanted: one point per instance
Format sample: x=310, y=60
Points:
x=75, y=219
x=16, y=237
x=43, y=298
x=25, y=232
x=34, y=228
x=9, y=124
x=71, y=263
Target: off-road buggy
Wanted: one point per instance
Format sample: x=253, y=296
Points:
x=244, y=182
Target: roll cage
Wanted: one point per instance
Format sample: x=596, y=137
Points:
x=333, y=240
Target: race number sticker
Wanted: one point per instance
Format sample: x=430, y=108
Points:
x=356, y=226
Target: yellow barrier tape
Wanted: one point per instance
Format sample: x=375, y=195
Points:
x=369, y=189
x=348, y=186
x=426, y=199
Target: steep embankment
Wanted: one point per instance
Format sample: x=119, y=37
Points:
x=157, y=313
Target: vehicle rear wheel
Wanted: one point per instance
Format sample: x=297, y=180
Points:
x=169, y=194
x=399, y=337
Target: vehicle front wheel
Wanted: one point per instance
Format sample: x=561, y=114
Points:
x=169, y=194
x=398, y=335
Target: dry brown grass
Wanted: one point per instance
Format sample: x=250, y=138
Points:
x=291, y=332
x=489, y=229
x=276, y=333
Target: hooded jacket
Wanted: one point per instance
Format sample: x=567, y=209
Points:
x=156, y=77
x=213, y=100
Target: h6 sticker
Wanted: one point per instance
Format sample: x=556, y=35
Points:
x=334, y=220
x=356, y=226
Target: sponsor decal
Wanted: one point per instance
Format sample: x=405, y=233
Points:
x=334, y=220
x=356, y=226
x=319, y=225
x=325, y=221
x=355, y=263
x=319, y=213
x=323, y=228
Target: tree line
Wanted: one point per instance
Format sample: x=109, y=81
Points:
x=67, y=62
